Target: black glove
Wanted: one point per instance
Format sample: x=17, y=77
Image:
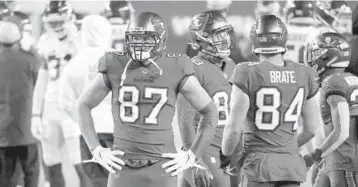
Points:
x=224, y=160
x=313, y=157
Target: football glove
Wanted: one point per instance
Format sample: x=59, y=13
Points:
x=224, y=160
x=313, y=157
x=108, y=159
x=181, y=161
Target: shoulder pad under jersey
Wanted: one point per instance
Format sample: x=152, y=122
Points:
x=249, y=63
x=197, y=62
x=174, y=55
x=119, y=53
x=290, y=61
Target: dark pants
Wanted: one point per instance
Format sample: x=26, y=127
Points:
x=28, y=158
x=93, y=174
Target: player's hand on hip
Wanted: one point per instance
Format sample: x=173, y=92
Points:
x=36, y=127
x=202, y=175
x=108, y=159
x=181, y=161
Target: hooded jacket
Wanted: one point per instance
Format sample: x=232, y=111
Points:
x=78, y=73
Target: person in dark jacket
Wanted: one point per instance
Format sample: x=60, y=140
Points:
x=353, y=63
x=18, y=74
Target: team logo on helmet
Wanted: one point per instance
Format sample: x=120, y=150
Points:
x=198, y=23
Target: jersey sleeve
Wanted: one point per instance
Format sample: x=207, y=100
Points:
x=240, y=77
x=187, y=69
x=335, y=86
x=313, y=85
x=103, y=69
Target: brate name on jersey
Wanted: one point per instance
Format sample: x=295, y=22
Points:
x=351, y=80
x=282, y=77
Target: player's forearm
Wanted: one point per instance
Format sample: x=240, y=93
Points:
x=86, y=125
x=231, y=137
x=187, y=132
x=337, y=136
x=206, y=129
x=39, y=92
x=304, y=135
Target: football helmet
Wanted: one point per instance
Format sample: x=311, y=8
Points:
x=146, y=36
x=119, y=9
x=268, y=35
x=212, y=34
x=56, y=15
x=328, y=50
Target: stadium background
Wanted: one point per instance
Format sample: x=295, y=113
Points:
x=177, y=15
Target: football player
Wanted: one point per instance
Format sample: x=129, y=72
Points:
x=329, y=54
x=57, y=46
x=118, y=14
x=145, y=83
x=214, y=37
x=267, y=99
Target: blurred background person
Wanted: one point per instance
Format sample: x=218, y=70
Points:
x=18, y=74
x=118, y=14
x=78, y=73
x=353, y=63
x=57, y=46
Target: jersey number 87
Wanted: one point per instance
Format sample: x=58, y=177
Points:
x=268, y=114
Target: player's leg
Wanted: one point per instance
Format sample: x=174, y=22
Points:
x=8, y=160
x=30, y=163
x=52, y=147
x=152, y=175
x=74, y=153
x=322, y=179
x=17, y=179
x=219, y=177
x=337, y=178
x=351, y=178
x=235, y=181
x=93, y=172
x=184, y=178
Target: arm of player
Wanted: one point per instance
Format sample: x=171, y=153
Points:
x=186, y=117
x=37, y=103
x=201, y=101
x=311, y=114
x=340, y=121
x=69, y=92
x=239, y=106
x=92, y=96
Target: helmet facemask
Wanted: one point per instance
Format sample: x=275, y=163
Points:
x=219, y=43
x=55, y=23
x=143, y=45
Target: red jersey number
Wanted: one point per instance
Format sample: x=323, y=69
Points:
x=129, y=100
x=268, y=102
x=221, y=100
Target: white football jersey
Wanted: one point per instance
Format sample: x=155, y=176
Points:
x=56, y=54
